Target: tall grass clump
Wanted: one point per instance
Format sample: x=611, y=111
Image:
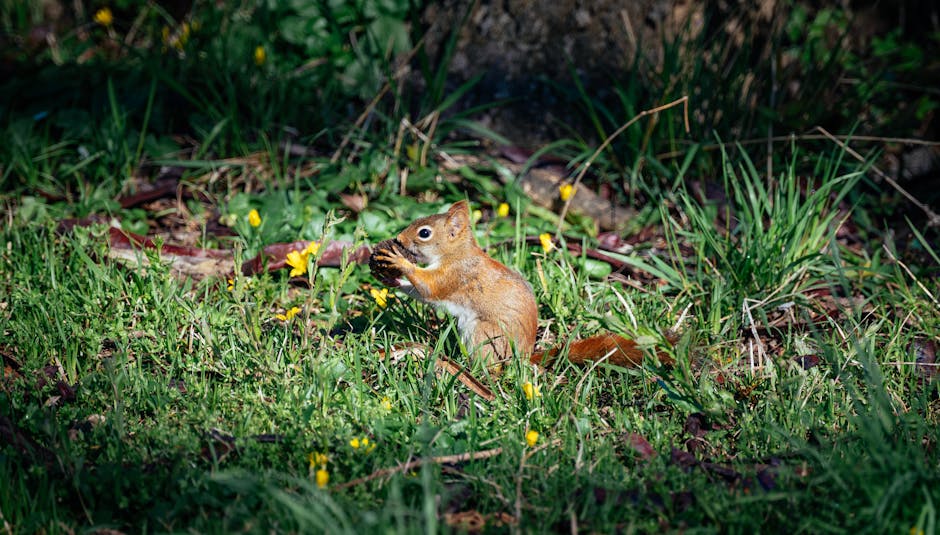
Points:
x=762, y=247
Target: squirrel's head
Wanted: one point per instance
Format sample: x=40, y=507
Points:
x=433, y=237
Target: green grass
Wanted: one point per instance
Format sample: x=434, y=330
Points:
x=193, y=404
x=137, y=400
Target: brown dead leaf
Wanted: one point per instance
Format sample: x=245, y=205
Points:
x=806, y=361
x=683, y=459
x=642, y=446
x=356, y=203
x=163, y=187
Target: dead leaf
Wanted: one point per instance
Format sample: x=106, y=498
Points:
x=642, y=446
x=806, y=361
x=164, y=187
x=356, y=203
x=683, y=459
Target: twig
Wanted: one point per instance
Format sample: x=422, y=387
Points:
x=424, y=137
x=681, y=319
x=806, y=137
x=587, y=164
x=468, y=380
x=911, y=275
x=375, y=100
x=410, y=465
x=762, y=353
x=361, y=119
x=933, y=219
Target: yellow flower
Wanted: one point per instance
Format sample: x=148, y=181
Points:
x=546, y=241
x=254, y=218
x=565, y=191
x=364, y=443
x=477, y=215
x=104, y=16
x=289, y=315
x=298, y=261
x=531, y=391
x=380, y=296
x=502, y=210
x=260, y=55
x=386, y=404
x=317, y=459
x=231, y=284
x=531, y=437
x=323, y=478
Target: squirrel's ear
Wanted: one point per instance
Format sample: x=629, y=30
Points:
x=458, y=218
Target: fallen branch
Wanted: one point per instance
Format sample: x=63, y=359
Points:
x=411, y=465
x=933, y=220
x=587, y=164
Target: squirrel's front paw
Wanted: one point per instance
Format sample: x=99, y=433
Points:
x=389, y=262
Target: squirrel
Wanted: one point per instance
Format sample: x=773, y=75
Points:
x=494, y=305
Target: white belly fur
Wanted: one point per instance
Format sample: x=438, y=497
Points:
x=466, y=321
x=466, y=318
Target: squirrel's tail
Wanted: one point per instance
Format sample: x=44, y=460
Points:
x=618, y=350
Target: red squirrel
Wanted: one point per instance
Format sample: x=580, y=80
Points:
x=493, y=304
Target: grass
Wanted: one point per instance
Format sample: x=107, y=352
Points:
x=193, y=403
x=138, y=400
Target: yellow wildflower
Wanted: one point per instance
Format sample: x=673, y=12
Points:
x=565, y=191
x=531, y=437
x=104, y=17
x=254, y=218
x=386, y=404
x=289, y=315
x=476, y=215
x=231, y=284
x=317, y=459
x=531, y=391
x=502, y=210
x=298, y=259
x=546, y=241
x=380, y=296
x=354, y=443
x=260, y=55
x=323, y=478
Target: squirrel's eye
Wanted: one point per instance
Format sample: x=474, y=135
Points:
x=424, y=233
